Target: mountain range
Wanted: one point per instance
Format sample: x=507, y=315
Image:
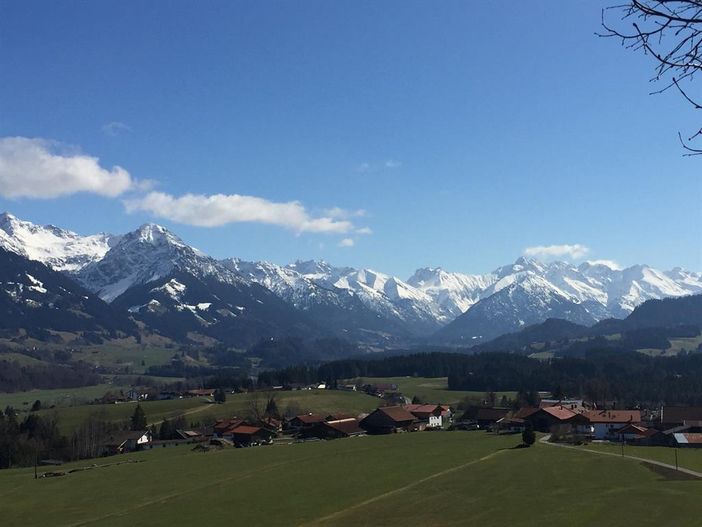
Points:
x=154, y=279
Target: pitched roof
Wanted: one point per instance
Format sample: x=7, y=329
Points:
x=310, y=419
x=522, y=413
x=339, y=416
x=246, y=430
x=689, y=438
x=559, y=412
x=423, y=410
x=227, y=424
x=396, y=413
x=345, y=426
x=637, y=430
x=614, y=416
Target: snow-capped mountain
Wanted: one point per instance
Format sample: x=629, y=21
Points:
x=529, y=292
x=60, y=249
x=147, y=254
x=137, y=271
x=357, y=303
x=453, y=293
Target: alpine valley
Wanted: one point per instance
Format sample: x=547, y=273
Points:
x=150, y=282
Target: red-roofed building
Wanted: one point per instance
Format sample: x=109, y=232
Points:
x=387, y=420
x=605, y=423
x=335, y=429
x=224, y=427
x=430, y=414
x=554, y=418
x=300, y=422
x=245, y=435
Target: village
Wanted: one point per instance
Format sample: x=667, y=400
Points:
x=566, y=421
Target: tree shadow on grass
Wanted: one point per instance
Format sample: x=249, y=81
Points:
x=669, y=474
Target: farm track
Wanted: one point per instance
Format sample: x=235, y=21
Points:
x=334, y=515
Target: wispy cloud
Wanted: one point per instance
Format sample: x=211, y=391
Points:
x=368, y=167
x=36, y=168
x=364, y=230
x=221, y=209
x=347, y=242
x=608, y=263
x=547, y=252
x=115, y=128
x=343, y=214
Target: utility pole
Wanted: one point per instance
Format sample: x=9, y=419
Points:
x=676, y=458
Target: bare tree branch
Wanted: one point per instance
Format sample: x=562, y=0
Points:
x=671, y=32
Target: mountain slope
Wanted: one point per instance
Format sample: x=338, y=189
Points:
x=187, y=308
x=39, y=301
x=517, y=302
x=314, y=288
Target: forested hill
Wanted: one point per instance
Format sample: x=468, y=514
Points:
x=628, y=377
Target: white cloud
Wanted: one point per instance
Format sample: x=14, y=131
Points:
x=115, y=128
x=364, y=230
x=34, y=168
x=347, y=242
x=343, y=214
x=371, y=167
x=608, y=263
x=546, y=252
x=220, y=209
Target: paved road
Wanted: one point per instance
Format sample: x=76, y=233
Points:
x=545, y=440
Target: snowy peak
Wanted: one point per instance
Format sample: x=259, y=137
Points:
x=149, y=253
x=60, y=249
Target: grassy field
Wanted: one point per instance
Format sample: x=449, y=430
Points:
x=136, y=358
x=198, y=410
x=438, y=479
x=430, y=389
x=687, y=457
x=59, y=397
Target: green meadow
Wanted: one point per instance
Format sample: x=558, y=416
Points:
x=431, y=389
x=427, y=478
x=198, y=410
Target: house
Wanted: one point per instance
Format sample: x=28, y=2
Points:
x=556, y=419
x=672, y=416
x=128, y=441
x=484, y=416
x=300, y=422
x=635, y=433
x=431, y=414
x=245, y=435
x=224, y=427
x=576, y=405
x=388, y=420
x=605, y=423
x=335, y=429
x=380, y=389
x=204, y=392
x=510, y=425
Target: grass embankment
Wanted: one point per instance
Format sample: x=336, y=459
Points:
x=441, y=478
x=431, y=389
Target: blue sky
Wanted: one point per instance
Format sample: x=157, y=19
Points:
x=459, y=133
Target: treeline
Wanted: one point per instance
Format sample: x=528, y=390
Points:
x=603, y=376
x=15, y=376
